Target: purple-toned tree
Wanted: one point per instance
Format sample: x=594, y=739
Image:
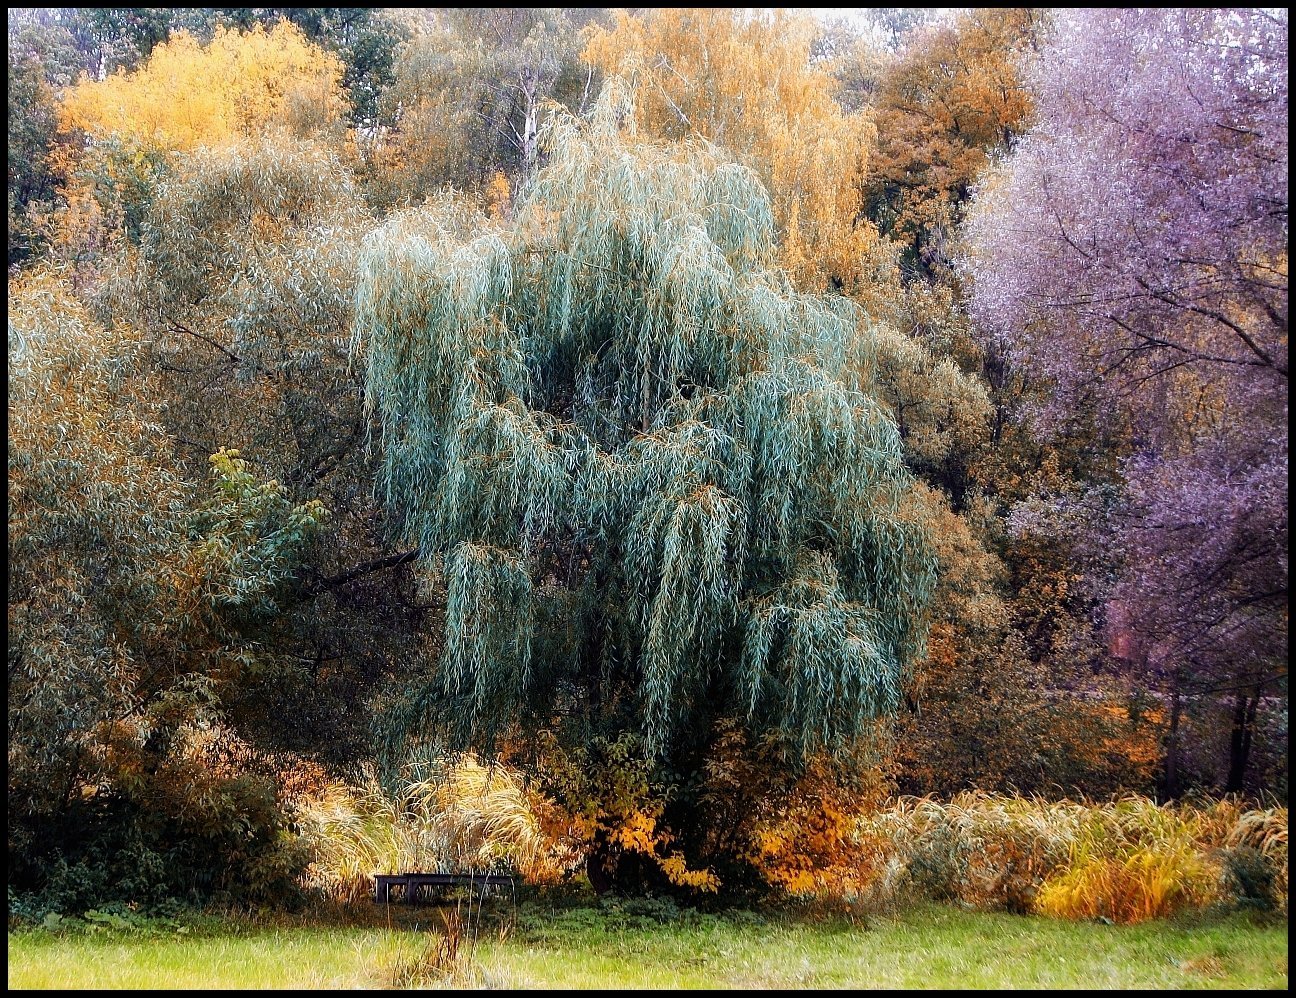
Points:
x=1133, y=252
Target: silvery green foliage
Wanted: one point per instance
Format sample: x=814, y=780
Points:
x=643, y=467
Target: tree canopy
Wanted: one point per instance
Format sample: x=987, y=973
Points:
x=644, y=468
x=1133, y=253
x=745, y=80
x=726, y=417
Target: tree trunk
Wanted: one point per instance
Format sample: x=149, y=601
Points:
x=1170, y=788
x=1244, y=714
x=530, y=125
x=597, y=863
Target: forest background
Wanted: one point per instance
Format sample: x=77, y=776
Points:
x=927, y=434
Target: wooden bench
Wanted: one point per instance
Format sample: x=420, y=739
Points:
x=415, y=883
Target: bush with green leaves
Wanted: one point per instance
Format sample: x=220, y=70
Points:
x=138, y=605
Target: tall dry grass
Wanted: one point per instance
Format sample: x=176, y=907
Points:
x=984, y=850
x=1264, y=833
x=466, y=817
x=1132, y=860
x=1125, y=860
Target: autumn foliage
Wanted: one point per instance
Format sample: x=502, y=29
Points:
x=954, y=97
x=745, y=81
x=188, y=94
x=708, y=452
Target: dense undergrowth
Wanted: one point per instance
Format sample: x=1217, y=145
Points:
x=1124, y=860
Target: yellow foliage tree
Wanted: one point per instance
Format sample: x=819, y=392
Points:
x=189, y=95
x=746, y=81
x=943, y=105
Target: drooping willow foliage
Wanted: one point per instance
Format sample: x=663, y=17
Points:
x=648, y=474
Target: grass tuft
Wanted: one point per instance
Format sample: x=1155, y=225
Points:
x=467, y=817
x=1125, y=860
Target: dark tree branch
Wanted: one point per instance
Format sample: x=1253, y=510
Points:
x=369, y=567
x=181, y=328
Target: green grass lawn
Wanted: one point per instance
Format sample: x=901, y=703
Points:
x=922, y=947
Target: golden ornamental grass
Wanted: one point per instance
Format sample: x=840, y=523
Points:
x=467, y=817
x=1124, y=860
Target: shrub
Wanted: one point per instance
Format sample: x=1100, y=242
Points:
x=1125, y=860
x=1255, y=856
x=464, y=817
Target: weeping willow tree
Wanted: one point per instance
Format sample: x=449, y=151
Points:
x=648, y=476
